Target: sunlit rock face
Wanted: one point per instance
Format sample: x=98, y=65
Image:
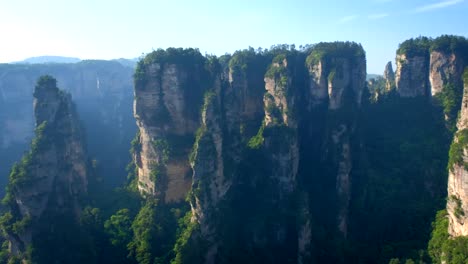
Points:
x=457, y=201
x=445, y=68
x=168, y=99
x=389, y=76
x=412, y=75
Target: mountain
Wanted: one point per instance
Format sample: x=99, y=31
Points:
x=49, y=59
x=46, y=187
x=127, y=62
x=103, y=93
x=260, y=156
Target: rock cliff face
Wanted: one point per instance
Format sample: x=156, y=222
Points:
x=445, y=68
x=457, y=202
x=281, y=121
x=210, y=184
x=103, y=93
x=344, y=78
x=389, y=76
x=330, y=79
x=412, y=75
x=53, y=176
x=168, y=97
x=229, y=162
x=426, y=66
x=230, y=114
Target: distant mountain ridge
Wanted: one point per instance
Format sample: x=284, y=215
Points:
x=49, y=59
x=61, y=59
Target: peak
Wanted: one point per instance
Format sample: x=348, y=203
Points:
x=388, y=73
x=45, y=84
x=47, y=99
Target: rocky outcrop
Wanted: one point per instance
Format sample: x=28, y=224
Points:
x=344, y=80
x=247, y=89
x=103, y=93
x=445, y=68
x=168, y=98
x=229, y=114
x=412, y=75
x=281, y=122
x=330, y=79
x=389, y=77
x=52, y=178
x=232, y=164
x=218, y=160
x=457, y=201
x=208, y=162
x=317, y=84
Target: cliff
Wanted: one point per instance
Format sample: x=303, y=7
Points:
x=432, y=68
x=281, y=121
x=241, y=176
x=230, y=115
x=46, y=187
x=344, y=78
x=273, y=156
x=457, y=202
x=389, y=77
x=412, y=75
x=426, y=66
x=445, y=68
x=169, y=88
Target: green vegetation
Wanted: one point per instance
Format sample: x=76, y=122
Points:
x=154, y=232
x=198, y=135
x=456, y=149
x=450, y=99
x=278, y=71
x=256, y=141
x=458, y=206
x=161, y=146
x=208, y=98
x=179, y=56
x=19, y=175
x=465, y=77
x=329, y=50
x=118, y=227
x=421, y=46
x=246, y=60
x=415, y=47
x=451, y=44
x=175, y=56
x=439, y=236
x=45, y=82
x=189, y=247
x=398, y=151
x=444, y=249
x=404, y=150
x=135, y=145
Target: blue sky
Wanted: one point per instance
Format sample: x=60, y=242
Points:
x=105, y=29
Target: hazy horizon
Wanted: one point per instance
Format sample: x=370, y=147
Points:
x=120, y=29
